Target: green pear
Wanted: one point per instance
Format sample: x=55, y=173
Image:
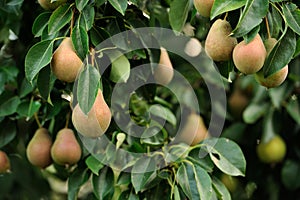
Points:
x=219, y=44
x=249, y=57
x=4, y=163
x=164, y=72
x=66, y=149
x=65, y=63
x=96, y=122
x=38, y=149
x=47, y=5
x=204, y=7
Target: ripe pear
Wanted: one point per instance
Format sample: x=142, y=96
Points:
x=219, y=45
x=65, y=63
x=38, y=149
x=66, y=149
x=249, y=57
x=4, y=163
x=193, y=47
x=164, y=72
x=96, y=122
x=194, y=130
x=278, y=77
x=204, y=7
x=47, y=5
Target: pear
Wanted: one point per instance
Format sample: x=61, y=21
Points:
x=219, y=45
x=38, y=149
x=237, y=103
x=193, y=47
x=96, y=122
x=65, y=63
x=204, y=7
x=66, y=149
x=278, y=77
x=194, y=130
x=164, y=72
x=47, y=5
x=249, y=57
x=4, y=163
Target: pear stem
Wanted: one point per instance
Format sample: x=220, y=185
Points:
x=37, y=120
x=225, y=17
x=67, y=119
x=72, y=21
x=268, y=28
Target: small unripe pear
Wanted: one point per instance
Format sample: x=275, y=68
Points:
x=4, y=163
x=66, y=149
x=96, y=122
x=219, y=45
x=38, y=149
x=204, y=7
x=249, y=58
x=194, y=130
x=47, y=5
x=65, y=63
x=164, y=72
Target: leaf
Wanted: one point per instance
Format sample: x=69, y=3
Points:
x=7, y=132
x=94, y=164
x=164, y=113
x=59, y=18
x=178, y=13
x=251, y=16
x=120, y=68
x=45, y=82
x=194, y=181
x=103, y=184
x=25, y=88
x=290, y=174
x=80, y=41
x=87, y=87
x=221, y=6
x=254, y=111
x=279, y=94
x=38, y=56
x=281, y=54
x=293, y=108
x=227, y=156
x=10, y=106
x=142, y=173
x=292, y=15
x=119, y=5
x=87, y=17
x=78, y=177
x=40, y=23
x=80, y=4
x=28, y=108
x=220, y=189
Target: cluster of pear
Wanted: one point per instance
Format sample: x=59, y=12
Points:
x=248, y=57
x=65, y=150
x=4, y=163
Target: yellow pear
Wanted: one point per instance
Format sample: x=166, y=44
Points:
x=204, y=7
x=249, y=57
x=193, y=131
x=39, y=147
x=66, y=149
x=164, y=72
x=219, y=45
x=65, y=63
x=4, y=163
x=47, y=5
x=96, y=122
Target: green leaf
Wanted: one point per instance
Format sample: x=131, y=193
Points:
x=45, y=82
x=292, y=15
x=220, y=189
x=104, y=184
x=281, y=54
x=254, y=111
x=279, y=94
x=87, y=17
x=227, y=156
x=221, y=6
x=119, y=5
x=194, y=181
x=98, y=35
x=7, y=132
x=178, y=13
x=142, y=173
x=25, y=88
x=10, y=106
x=80, y=4
x=293, y=108
x=164, y=113
x=120, y=68
x=80, y=41
x=87, y=87
x=251, y=16
x=129, y=195
x=94, y=164
x=38, y=56
x=40, y=23
x=290, y=174
x=28, y=108
x=59, y=18
x=78, y=177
